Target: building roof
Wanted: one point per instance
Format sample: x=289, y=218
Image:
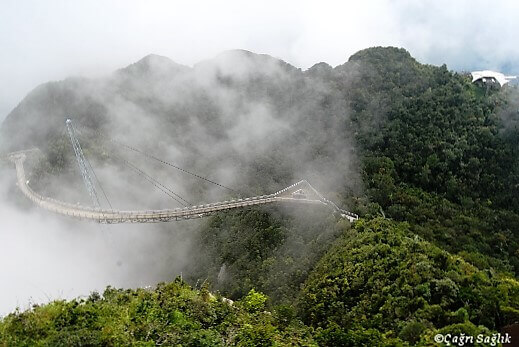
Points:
x=498, y=76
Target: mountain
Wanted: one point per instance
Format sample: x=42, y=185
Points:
x=428, y=160
x=216, y=115
x=153, y=66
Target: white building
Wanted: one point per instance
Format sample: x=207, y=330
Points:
x=491, y=76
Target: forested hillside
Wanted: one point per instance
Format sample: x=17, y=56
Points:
x=428, y=160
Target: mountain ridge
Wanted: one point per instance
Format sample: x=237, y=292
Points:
x=429, y=160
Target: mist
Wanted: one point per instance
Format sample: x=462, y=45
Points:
x=45, y=257
x=237, y=118
x=58, y=39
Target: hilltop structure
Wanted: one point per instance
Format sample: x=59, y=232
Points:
x=488, y=76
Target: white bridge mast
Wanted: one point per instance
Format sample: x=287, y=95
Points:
x=83, y=167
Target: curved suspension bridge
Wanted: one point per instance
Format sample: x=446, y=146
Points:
x=299, y=193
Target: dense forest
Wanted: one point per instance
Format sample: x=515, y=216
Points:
x=429, y=161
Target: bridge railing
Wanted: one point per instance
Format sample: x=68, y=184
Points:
x=115, y=216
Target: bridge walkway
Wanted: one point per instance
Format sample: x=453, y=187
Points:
x=300, y=193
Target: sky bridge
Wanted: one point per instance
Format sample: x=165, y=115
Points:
x=301, y=193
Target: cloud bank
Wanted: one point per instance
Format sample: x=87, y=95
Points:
x=47, y=258
x=55, y=39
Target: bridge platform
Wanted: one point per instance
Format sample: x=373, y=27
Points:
x=299, y=193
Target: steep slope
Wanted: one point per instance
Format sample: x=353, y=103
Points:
x=228, y=116
x=379, y=282
x=437, y=153
x=438, y=158
x=425, y=138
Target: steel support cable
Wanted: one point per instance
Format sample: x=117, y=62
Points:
x=81, y=160
x=161, y=161
x=95, y=175
x=172, y=165
x=149, y=178
x=99, y=184
x=156, y=185
x=154, y=182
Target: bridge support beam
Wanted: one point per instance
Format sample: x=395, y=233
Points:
x=299, y=193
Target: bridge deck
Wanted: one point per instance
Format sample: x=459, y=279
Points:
x=114, y=216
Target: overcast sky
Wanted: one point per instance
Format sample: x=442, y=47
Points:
x=53, y=39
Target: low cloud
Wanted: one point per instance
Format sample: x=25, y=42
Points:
x=56, y=39
x=249, y=122
x=45, y=257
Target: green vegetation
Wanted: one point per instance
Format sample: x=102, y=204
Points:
x=440, y=156
x=264, y=249
x=170, y=315
x=379, y=282
x=436, y=250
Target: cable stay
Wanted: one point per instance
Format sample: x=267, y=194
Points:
x=85, y=168
x=172, y=165
x=179, y=199
x=164, y=162
x=99, y=183
x=153, y=181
